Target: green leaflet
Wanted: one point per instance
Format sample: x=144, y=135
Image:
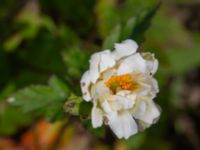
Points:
x=134, y=28
x=141, y=24
x=43, y=100
x=112, y=38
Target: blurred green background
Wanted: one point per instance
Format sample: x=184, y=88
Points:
x=44, y=49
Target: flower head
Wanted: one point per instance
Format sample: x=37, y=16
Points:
x=121, y=86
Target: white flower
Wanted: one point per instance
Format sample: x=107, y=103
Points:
x=121, y=86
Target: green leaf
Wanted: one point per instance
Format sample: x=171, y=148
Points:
x=43, y=100
x=136, y=27
x=34, y=97
x=59, y=86
x=76, y=61
x=107, y=16
x=11, y=119
x=112, y=38
x=136, y=141
x=128, y=27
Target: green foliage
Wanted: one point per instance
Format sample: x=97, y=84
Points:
x=134, y=28
x=183, y=60
x=140, y=24
x=132, y=8
x=43, y=100
x=46, y=37
x=98, y=132
x=112, y=12
x=12, y=119
x=136, y=141
x=85, y=109
x=75, y=60
x=107, y=16
x=112, y=38
x=71, y=12
x=76, y=106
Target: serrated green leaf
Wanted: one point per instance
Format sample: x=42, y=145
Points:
x=35, y=97
x=59, y=86
x=55, y=112
x=42, y=100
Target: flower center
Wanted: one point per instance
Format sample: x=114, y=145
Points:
x=122, y=82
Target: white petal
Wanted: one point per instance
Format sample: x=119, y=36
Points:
x=150, y=114
x=106, y=75
x=123, y=92
x=154, y=66
x=154, y=88
x=97, y=117
x=140, y=109
x=152, y=63
x=85, y=83
x=118, y=102
x=144, y=90
x=123, y=125
x=99, y=91
x=154, y=85
x=107, y=60
x=133, y=63
x=106, y=106
x=125, y=48
x=94, y=67
x=112, y=116
x=149, y=88
x=99, y=62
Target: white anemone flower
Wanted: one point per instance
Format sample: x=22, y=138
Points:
x=121, y=86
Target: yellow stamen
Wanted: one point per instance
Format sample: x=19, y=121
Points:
x=122, y=82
